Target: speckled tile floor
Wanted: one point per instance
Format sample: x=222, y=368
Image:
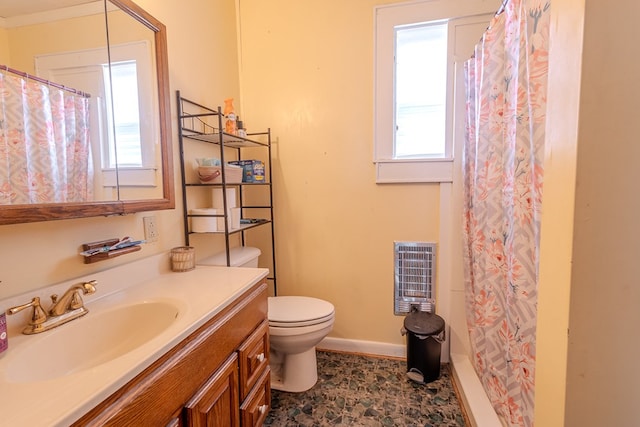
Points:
x=355, y=390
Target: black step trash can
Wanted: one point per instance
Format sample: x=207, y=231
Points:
x=425, y=334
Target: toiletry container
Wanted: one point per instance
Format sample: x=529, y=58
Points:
x=230, y=125
x=4, y=338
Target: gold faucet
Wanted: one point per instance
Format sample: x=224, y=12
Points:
x=71, y=299
x=69, y=307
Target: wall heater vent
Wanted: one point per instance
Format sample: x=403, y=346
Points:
x=414, y=273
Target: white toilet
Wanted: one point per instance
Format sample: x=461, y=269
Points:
x=296, y=325
x=242, y=256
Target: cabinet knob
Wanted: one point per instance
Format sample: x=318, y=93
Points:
x=260, y=357
x=262, y=409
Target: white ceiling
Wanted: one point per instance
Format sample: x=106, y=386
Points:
x=13, y=8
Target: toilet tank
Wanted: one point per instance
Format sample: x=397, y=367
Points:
x=242, y=256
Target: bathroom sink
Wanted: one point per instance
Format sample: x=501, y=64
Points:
x=96, y=338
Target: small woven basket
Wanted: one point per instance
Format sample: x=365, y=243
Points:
x=183, y=258
x=209, y=174
x=213, y=174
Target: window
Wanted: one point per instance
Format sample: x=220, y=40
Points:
x=420, y=91
x=420, y=47
x=124, y=120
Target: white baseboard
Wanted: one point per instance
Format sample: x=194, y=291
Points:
x=363, y=347
x=372, y=347
x=474, y=398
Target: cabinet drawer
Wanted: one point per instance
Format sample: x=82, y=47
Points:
x=255, y=408
x=254, y=358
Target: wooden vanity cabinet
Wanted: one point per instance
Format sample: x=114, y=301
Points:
x=218, y=376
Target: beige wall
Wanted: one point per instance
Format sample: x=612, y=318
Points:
x=308, y=74
x=586, y=370
x=602, y=375
x=557, y=211
x=307, y=71
x=27, y=41
x=203, y=64
x=5, y=56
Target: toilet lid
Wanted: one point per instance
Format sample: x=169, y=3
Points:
x=294, y=311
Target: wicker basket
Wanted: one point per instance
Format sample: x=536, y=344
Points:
x=183, y=258
x=213, y=174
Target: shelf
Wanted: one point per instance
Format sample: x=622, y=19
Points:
x=102, y=250
x=228, y=140
x=243, y=227
x=199, y=123
x=219, y=184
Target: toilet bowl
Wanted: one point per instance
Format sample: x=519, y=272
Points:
x=296, y=325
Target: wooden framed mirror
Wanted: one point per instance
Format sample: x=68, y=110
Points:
x=122, y=197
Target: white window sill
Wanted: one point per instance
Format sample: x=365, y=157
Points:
x=134, y=177
x=415, y=170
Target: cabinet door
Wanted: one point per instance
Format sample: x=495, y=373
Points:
x=255, y=408
x=254, y=358
x=216, y=403
x=176, y=422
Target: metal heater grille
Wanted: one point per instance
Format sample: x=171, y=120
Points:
x=414, y=272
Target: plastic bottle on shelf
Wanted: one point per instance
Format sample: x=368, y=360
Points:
x=241, y=130
x=230, y=117
x=4, y=338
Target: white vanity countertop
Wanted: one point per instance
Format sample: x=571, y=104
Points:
x=201, y=294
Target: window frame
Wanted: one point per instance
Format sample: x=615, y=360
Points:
x=386, y=19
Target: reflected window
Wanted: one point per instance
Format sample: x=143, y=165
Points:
x=125, y=129
x=125, y=145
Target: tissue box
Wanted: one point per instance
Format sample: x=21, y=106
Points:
x=253, y=170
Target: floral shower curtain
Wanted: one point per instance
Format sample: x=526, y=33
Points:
x=45, y=153
x=506, y=83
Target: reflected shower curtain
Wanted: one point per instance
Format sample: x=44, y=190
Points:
x=45, y=154
x=506, y=83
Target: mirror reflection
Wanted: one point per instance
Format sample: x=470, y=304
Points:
x=78, y=121
x=134, y=129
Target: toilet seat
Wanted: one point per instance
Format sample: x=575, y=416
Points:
x=298, y=311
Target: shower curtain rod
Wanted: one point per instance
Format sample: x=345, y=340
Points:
x=502, y=7
x=44, y=81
